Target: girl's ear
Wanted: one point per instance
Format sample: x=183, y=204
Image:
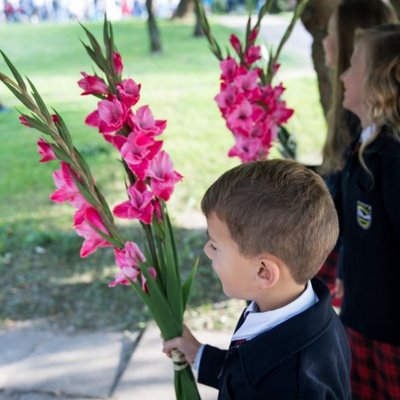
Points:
x=268, y=272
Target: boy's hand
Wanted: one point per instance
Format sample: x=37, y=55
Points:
x=187, y=344
x=339, y=288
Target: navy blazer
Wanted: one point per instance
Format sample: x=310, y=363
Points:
x=306, y=357
x=371, y=240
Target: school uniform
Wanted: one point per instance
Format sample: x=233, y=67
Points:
x=305, y=357
x=371, y=267
x=329, y=270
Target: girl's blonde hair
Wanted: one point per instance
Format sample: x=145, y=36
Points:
x=348, y=17
x=381, y=92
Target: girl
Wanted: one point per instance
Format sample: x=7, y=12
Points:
x=371, y=215
x=343, y=125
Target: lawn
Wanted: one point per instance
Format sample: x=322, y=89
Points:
x=40, y=269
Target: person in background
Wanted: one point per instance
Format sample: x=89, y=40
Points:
x=370, y=214
x=343, y=125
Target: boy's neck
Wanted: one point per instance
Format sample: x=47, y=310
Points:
x=279, y=296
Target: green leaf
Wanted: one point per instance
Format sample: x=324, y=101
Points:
x=95, y=44
x=61, y=155
x=85, y=192
x=91, y=53
x=40, y=103
x=14, y=71
x=105, y=31
x=19, y=95
x=84, y=165
x=288, y=143
x=106, y=237
x=37, y=124
x=187, y=286
x=168, y=318
x=174, y=290
x=104, y=203
x=63, y=130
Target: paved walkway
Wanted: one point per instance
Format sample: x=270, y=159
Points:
x=43, y=364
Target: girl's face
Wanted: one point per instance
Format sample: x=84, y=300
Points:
x=330, y=42
x=353, y=81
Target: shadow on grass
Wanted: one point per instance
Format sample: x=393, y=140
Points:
x=43, y=277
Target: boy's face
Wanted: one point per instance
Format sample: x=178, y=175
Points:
x=236, y=272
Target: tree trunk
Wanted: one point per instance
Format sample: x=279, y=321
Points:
x=185, y=7
x=315, y=19
x=396, y=5
x=154, y=33
x=198, y=30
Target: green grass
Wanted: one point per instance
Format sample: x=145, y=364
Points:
x=179, y=85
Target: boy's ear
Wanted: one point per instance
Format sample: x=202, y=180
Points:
x=268, y=272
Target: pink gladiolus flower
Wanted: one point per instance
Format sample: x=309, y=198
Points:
x=153, y=275
x=230, y=69
x=253, y=35
x=45, y=150
x=128, y=260
x=116, y=140
x=92, y=84
x=109, y=117
x=139, y=206
x=248, y=81
x=55, y=119
x=67, y=189
x=236, y=44
x=125, y=277
x=228, y=98
x=247, y=149
x=117, y=63
x=129, y=256
x=129, y=92
x=24, y=121
x=252, y=55
x=137, y=150
x=163, y=176
x=157, y=209
x=252, y=110
x=84, y=219
x=152, y=272
x=143, y=121
x=240, y=118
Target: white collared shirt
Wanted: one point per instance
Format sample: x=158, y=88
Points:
x=257, y=322
x=367, y=132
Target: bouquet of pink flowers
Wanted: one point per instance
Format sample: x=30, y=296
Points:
x=252, y=107
x=153, y=272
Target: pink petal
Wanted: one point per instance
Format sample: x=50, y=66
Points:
x=122, y=210
x=93, y=119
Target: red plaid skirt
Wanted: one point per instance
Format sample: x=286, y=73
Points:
x=328, y=274
x=375, y=370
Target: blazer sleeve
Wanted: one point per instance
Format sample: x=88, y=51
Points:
x=211, y=366
x=391, y=190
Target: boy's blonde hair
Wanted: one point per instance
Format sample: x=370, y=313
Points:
x=279, y=207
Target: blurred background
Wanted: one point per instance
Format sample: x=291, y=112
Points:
x=41, y=274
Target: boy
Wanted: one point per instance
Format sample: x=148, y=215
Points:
x=271, y=224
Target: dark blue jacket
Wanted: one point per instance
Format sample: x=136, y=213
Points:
x=371, y=241
x=306, y=357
